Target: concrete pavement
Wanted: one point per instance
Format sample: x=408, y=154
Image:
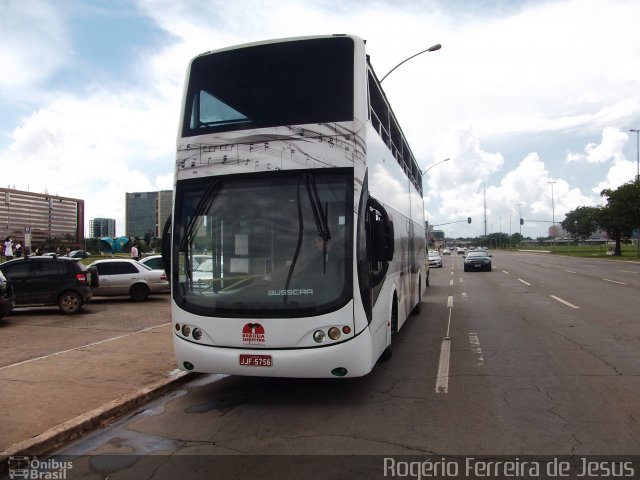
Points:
x=48, y=401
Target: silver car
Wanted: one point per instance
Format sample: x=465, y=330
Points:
x=435, y=260
x=128, y=277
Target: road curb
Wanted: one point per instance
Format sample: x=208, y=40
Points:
x=73, y=429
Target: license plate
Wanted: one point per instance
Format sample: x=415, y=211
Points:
x=255, y=360
x=477, y=265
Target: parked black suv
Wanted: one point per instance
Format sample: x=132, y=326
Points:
x=6, y=296
x=44, y=281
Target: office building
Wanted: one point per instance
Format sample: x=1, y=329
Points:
x=102, y=227
x=146, y=213
x=41, y=220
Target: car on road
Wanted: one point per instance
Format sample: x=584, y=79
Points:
x=79, y=254
x=435, y=260
x=50, y=280
x=446, y=251
x=154, y=262
x=477, y=260
x=120, y=276
x=6, y=296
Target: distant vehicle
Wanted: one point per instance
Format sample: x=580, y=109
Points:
x=119, y=276
x=446, y=251
x=435, y=260
x=153, y=261
x=6, y=296
x=477, y=260
x=50, y=280
x=460, y=250
x=79, y=254
x=157, y=263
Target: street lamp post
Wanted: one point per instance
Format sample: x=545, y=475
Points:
x=433, y=48
x=637, y=132
x=553, y=215
x=437, y=163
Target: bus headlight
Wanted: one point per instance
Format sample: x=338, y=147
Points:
x=186, y=330
x=334, y=333
x=319, y=336
x=197, y=334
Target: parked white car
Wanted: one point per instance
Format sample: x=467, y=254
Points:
x=118, y=276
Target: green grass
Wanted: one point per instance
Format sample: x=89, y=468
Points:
x=629, y=252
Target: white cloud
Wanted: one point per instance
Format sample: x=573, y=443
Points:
x=34, y=44
x=610, y=148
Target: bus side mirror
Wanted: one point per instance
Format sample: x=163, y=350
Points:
x=383, y=233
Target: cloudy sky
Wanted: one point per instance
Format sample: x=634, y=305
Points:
x=521, y=94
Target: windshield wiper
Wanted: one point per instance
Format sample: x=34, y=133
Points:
x=319, y=215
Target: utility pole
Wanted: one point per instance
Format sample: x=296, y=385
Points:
x=484, y=190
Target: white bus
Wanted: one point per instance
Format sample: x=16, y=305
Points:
x=297, y=191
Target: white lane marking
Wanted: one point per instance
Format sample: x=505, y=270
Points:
x=464, y=295
x=451, y=272
x=451, y=282
x=614, y=281
x=83, y=346
x=475, y=347
x=442, y=382
x=570, y=271
x=461, y=280
x=526, y=283
x=505, y=272
x=564, y=301
x=628, y=271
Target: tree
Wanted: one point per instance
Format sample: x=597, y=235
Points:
x=582, y=222
x=622, y=214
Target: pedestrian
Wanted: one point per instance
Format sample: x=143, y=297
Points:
x=135, y=255
x=8, y=248
x=18, y=250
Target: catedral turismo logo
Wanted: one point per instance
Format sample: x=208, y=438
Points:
x=253, y=334
x=35, y=469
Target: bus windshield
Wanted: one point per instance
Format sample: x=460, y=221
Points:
x=275, y=245
x=290, y=83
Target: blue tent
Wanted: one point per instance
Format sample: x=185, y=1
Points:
x=113, y=245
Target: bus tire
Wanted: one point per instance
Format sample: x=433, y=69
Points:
x=416, y=310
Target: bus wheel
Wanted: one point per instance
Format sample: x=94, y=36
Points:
x=418, y=307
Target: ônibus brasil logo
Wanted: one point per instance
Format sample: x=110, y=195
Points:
x=253, y=334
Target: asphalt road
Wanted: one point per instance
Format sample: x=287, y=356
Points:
x=542, y=358
x=538, y=357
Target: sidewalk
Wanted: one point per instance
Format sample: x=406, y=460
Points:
x=47, y=402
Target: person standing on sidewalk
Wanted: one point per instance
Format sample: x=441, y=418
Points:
x=135, y=255
x=8, y=248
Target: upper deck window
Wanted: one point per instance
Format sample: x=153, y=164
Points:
x=286, y=83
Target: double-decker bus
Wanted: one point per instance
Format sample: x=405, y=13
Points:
x=297, y=242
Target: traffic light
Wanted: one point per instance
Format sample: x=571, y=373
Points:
x=522, y=221
x=468, y=219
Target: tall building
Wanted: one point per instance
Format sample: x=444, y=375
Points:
x=102, y=227
x=41, y=219
x=146, y=212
